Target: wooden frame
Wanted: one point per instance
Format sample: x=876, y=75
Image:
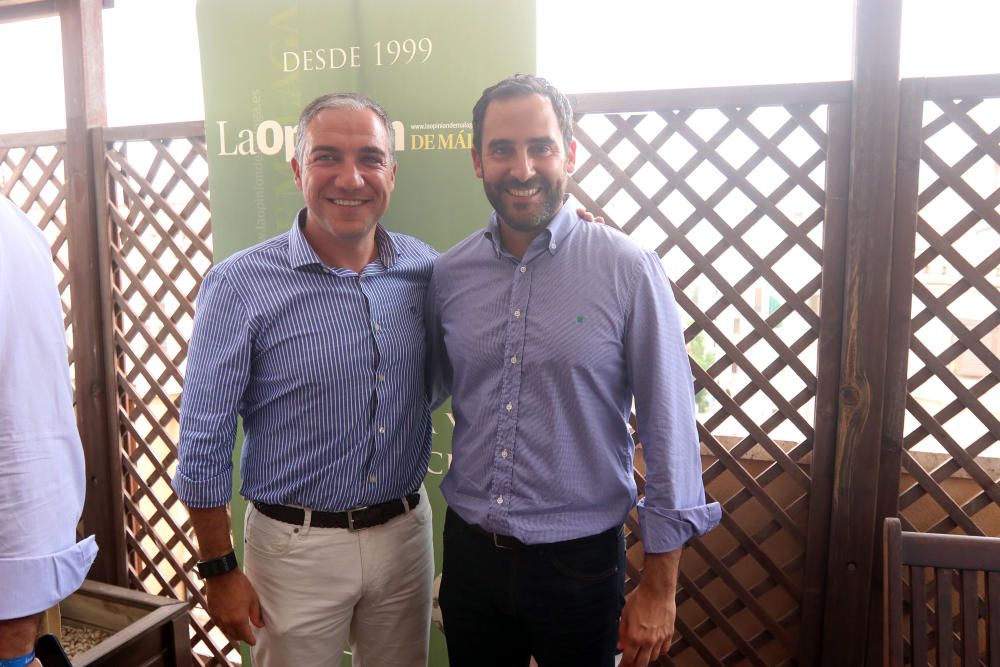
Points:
x=21, y=10
x=145, y=629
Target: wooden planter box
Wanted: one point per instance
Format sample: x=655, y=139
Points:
x=148, y=630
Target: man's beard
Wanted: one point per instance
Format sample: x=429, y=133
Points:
x=517, y=216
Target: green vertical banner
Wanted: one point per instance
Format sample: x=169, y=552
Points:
x=425, y=62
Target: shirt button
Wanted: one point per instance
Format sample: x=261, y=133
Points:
x=517, y=313
x=552, y=246
x=377, y=327
x=509, y=406
x=504, y=454
x=381, y=378
x=381, y=429
x=524, y=269
x=373, y=479
x=513, y=359
x=500, y=500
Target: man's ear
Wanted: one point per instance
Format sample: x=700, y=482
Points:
x=297, y=171
x=477, y=163
x=392, y=177
x=571, y=157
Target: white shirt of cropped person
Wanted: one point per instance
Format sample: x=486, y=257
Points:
x=41, y=458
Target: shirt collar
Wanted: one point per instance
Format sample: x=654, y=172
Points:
x=301, y=253
x=554, y=234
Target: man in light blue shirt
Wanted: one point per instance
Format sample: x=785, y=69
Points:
x=546, y=328
x=41, y=460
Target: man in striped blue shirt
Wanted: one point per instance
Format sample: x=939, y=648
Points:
x=546, y=329
x=316, y=339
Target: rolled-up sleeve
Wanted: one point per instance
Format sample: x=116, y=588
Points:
x=218, y=369
x=674, y=508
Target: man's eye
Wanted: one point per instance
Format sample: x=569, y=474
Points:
x=501, y=151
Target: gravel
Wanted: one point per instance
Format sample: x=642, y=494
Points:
x=76, y=640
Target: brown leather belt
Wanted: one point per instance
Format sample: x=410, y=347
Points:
x=356, y=518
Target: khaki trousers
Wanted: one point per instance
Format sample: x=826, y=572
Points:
x=322, y=589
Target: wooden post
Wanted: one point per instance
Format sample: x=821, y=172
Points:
x=898, y=347
x=827, y=381
x=853, y=527
x=96, y=406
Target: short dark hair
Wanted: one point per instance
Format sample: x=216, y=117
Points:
x=349, y=101
x=516, y=86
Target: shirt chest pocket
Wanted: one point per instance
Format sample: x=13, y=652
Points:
x=574, y=333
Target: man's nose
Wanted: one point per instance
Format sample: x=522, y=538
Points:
x=349, y=176
x=523, y=167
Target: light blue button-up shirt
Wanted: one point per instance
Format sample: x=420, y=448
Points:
x=42, y=478
x=326, y=367
x=544, y=356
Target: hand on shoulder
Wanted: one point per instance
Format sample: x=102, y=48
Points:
x=588, y=216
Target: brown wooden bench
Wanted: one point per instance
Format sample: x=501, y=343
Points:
x=929, y=557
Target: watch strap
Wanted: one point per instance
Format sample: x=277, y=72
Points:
x=216, y=566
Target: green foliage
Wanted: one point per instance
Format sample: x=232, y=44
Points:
x=704, y=357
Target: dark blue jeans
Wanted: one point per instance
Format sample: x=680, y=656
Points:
x=557, y=602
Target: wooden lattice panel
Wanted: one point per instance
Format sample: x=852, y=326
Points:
x=32, y=176
x=732, y=200
x=951, y=446
x=160, y=230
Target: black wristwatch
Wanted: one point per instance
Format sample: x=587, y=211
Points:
x=217, y=566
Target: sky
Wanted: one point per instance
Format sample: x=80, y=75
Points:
x=153, y=73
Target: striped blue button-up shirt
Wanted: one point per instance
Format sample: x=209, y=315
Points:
x=324, y=365
x=544, y=356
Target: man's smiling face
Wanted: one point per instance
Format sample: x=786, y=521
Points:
x=346, y=176
x=524, y=163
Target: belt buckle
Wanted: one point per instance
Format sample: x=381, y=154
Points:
x=501, y=544
x=350, y=518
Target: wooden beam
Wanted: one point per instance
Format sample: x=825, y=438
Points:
x=955, y=87
x=827, y=92
x=854, y=526
x=911, y=112
x=23, y=139
x=96, y=402
x=23, y=10
x=814, y=585
x=183, y=129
